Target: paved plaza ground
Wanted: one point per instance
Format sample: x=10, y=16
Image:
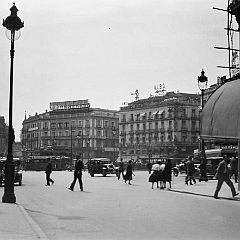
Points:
x=111, y=209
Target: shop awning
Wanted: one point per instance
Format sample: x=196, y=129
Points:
x=155, y=113
x=160, y=112
x=142, y=114
x=221, y=113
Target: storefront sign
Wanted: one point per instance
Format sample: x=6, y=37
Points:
x=78, y=104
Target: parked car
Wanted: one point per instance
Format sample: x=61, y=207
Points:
x=101, y=166
x=17, y=171
x=212, y=164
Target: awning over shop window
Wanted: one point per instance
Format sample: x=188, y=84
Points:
x=143, y=114
x=221, y=113
x=155, y=113
x=160, y=112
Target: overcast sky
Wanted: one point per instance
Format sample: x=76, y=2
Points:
x=103, y=50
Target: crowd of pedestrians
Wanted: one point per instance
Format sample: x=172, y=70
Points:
x=161, y=174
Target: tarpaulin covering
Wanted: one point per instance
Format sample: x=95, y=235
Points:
x=221, y=113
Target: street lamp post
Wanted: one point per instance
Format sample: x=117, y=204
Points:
x=78, y=138
x=202, y=84
x=71, y=143
x=13, y=24
x=88, y=146
x=114, y=131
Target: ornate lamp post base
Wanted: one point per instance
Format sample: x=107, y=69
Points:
x=9, y=196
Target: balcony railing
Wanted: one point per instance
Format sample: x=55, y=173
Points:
x=194, y=116
x=122, y=133
x=184, y=129
x=162, y=130
x=46, y=137
x=194, y=129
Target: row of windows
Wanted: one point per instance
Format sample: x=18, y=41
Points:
x=80, y=123
x=157, y=115
x=157, y=140
x=75, y=144
x=99, y=133
x=157, y=125
x=67, y=125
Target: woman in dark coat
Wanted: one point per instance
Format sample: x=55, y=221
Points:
x=161, y=176
x=129, y=173
x=154, y=176
x=168, y=172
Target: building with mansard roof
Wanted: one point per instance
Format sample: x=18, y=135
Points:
x=70, y=128
x=159, y=127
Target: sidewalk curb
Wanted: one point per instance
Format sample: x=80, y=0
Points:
x=204, y=195
x=39, y=233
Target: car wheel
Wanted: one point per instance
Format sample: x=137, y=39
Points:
x=104, y=173
x=91, y=174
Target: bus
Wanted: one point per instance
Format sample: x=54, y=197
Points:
x=39, y=163
x=214, y=157
x=217, y=152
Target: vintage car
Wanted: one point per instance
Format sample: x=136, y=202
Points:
x=17, y=171
x=101, y=166
x=212, y=164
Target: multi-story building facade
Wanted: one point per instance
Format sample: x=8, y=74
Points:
x=3, y=136
x=4, y=141
x=70, y=128
x=161, y=126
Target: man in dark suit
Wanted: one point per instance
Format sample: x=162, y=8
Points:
x=77, y=174
x=222, y=175
x=190, y=171
x=234, y=168
x=48, y=172
x=121, y=169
